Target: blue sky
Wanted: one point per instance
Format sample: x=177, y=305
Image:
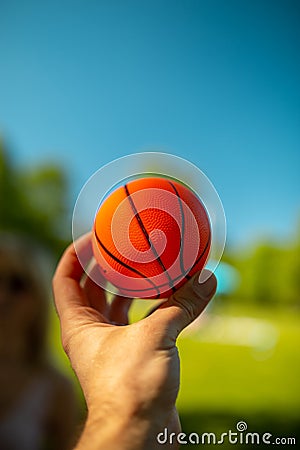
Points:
x=215, y=82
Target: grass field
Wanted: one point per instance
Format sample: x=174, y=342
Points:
x=237, y=364
x=246, y=367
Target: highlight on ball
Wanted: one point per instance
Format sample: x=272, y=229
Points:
x=152, y=228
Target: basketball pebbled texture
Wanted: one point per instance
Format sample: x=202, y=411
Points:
x=150, y=236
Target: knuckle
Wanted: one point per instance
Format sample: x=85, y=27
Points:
x=189, y=308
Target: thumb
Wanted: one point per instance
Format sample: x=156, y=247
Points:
x=186, y=304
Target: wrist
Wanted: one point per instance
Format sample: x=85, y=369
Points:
x=123, y=430
x=114, y=432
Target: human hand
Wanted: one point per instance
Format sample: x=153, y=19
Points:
x=129, y=374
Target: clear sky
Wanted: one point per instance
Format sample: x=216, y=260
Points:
x=215, y=82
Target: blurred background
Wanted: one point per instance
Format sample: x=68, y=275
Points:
x=215, y=82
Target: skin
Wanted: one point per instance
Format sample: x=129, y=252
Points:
x=129, y=374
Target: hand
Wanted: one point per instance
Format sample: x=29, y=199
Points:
x=129, y=374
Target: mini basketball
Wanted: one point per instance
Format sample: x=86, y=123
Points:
x=150, y=236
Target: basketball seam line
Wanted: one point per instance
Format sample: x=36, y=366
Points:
x=144, y=231
x=182, y=228
x=178, y=277
x=124, y=264
x=147, y=289
x=198, y=259
x=157, y=287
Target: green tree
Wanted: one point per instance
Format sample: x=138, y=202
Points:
x=269, y=274
x=33, y=201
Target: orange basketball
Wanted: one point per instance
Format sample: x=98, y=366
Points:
x=150, y=236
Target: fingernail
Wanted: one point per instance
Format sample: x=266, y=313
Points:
x=205, y=284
